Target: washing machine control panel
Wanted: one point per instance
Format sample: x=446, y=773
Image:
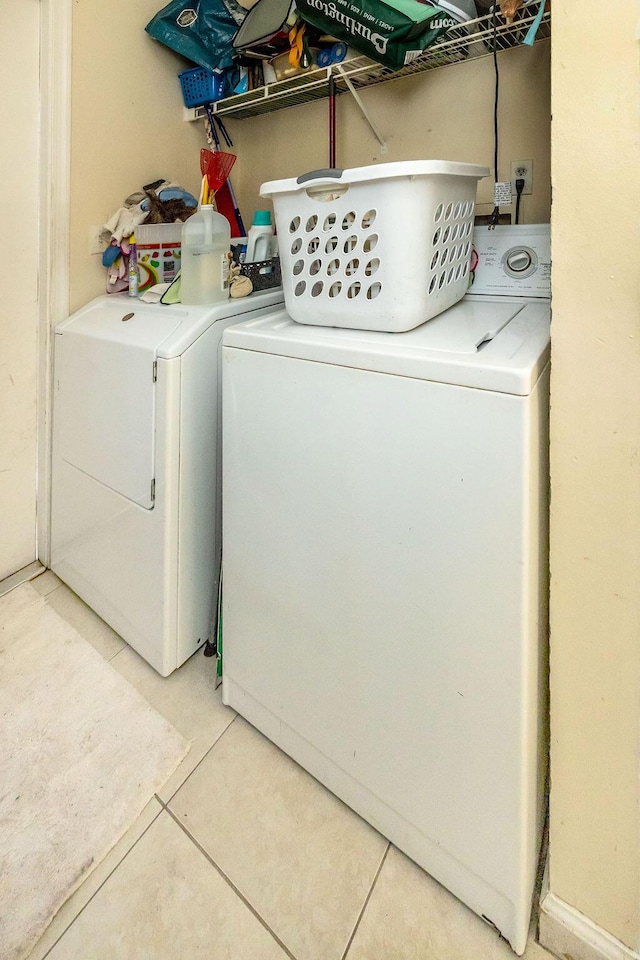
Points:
x=512, y=260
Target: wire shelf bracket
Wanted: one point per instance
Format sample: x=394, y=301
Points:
x=468, y=41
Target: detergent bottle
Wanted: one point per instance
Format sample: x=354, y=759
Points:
x=260, y=239
x=205, y=255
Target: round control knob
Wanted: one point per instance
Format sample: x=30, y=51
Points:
x=519, y=260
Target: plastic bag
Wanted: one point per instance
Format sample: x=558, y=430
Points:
x=201, y=31
x=392, y=32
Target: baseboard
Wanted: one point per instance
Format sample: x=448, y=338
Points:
x=21, y=576
x=567, y=933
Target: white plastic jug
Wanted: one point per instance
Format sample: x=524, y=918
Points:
x=260, y=239
x=206, y=243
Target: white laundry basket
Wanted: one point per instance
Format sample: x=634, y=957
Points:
x=383, y=247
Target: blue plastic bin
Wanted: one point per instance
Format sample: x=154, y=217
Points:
x=200, y=86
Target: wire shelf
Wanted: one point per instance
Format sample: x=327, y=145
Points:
x=469, y=41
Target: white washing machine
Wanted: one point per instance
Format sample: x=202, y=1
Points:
x=136, y=473
x=385, y=568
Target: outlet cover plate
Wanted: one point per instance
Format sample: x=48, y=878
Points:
x=96, y=245
x=522, y=169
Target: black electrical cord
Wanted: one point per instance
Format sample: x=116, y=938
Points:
x=495, y=216
x=519, y=189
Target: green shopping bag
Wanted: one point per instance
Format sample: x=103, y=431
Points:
x=392, y=32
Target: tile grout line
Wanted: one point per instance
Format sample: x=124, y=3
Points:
x=230, y=882
x=201, y=760
x=99, y=887
x=366, y=902
x=163, y=805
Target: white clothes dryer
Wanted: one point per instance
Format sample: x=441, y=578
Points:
x=385, y=568
x=136, y=472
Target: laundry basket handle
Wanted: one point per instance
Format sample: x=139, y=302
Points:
x=328, y=173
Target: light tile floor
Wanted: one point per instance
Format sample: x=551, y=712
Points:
x=243, y=856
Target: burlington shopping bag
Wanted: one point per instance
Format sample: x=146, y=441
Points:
x=392, y=32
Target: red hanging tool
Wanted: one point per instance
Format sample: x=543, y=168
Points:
x=216, y=167
x=332, y=121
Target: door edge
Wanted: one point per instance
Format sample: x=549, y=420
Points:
x=53, y=285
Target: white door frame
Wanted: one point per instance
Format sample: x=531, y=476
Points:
x=53, y=292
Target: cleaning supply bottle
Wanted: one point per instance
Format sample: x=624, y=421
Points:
x=260, y=239
x=132, y=269
x=206, y=245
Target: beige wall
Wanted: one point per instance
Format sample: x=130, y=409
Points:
x=127, y=126
x=19, y=53
x=595, y=465
x=444, y=114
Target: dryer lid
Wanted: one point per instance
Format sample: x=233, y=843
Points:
x=105, y=393
x=496, y=344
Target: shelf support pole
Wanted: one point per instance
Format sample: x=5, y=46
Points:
x=365, y=113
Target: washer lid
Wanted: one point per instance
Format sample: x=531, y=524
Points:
x=495, y=344
x=124, y=320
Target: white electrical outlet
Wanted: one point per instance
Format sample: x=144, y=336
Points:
x=96, y=245
x=522, y=170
